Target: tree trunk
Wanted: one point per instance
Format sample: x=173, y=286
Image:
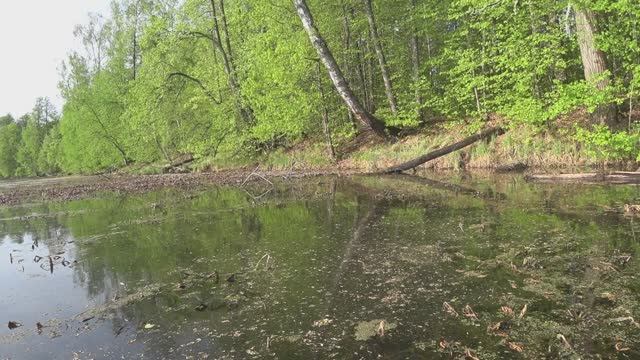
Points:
x=388, y=85
x=134, y=60
x=325, y=119
x=135, y=54
x=593, y=60
x=444, y=151
x=368, y=57
x=335, y=73
x=225, y=29
x=617, y=177
x=245, y=113
x=362, y=75
x=346, y=27
x=416, y=64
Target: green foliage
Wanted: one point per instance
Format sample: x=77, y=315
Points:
x=9, y=144
x=602, y=143
x=30, y=146
x=51, y=152
x=29, y=149
x=157, y=80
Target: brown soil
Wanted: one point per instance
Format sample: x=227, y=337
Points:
x=72, y=188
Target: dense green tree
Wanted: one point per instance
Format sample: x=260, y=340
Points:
x=9, y=143
x=50, y=151
x=6, y=120
x=29, y=149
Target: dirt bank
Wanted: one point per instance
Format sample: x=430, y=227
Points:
x=77, y=187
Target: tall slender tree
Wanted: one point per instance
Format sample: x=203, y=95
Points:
x=416, y=64
x=382, y=60
x=338, y=79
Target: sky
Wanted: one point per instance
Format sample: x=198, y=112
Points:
x=35, y=37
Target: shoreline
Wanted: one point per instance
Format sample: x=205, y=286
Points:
x=66, y=188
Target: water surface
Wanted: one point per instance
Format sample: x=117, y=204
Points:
x=359, y=268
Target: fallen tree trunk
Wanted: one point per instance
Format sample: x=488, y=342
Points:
x=618, y=177
x=183, y=161
x=444, y=151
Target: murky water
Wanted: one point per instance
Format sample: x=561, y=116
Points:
x=362, y=268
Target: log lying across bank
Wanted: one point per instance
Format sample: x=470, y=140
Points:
x=184, y=160
x=444, y=151
x=617, y=177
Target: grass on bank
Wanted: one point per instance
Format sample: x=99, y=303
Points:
x=542, y=149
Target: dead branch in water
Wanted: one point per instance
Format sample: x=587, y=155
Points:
x=617, y=177
x=458, y=189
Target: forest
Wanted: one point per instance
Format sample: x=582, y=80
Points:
x=221, y=80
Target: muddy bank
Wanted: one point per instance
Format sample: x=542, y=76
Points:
x=73, y=188
x=14, y=192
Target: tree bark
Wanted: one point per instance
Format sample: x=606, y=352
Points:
x=444, y=151
x=384, y=69
x=346, y=27
x=135, y=55
x=225, y=29
x=362, y=75
x=593, y=60
x=338, y=79
x=184, y=160
x=618, y=177
x=245, y=113
x=325, y=119
x=416, y=64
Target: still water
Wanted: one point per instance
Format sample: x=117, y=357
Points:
x=328, y=268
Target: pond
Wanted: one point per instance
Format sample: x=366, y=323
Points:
x=486, y=267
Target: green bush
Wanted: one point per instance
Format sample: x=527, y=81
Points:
x=603, y=144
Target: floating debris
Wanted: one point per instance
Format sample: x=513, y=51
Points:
x=499, y=329
x=620, y=347
x=632, y=210
x=443, y=344
x=323, y=322
x=507, y=311
x=625, y=319
x=266, y=264
x=523, y=312
x=368, y=329
x=380, y=329
x=446, y=307
x=564, y=341
x=469, y=355
x=514, y=346
x=469, y=313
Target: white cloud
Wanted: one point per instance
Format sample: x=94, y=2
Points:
x=35, y=37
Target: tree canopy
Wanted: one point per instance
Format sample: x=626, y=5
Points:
x=159, y=79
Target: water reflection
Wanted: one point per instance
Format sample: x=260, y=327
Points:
x=321, y=269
